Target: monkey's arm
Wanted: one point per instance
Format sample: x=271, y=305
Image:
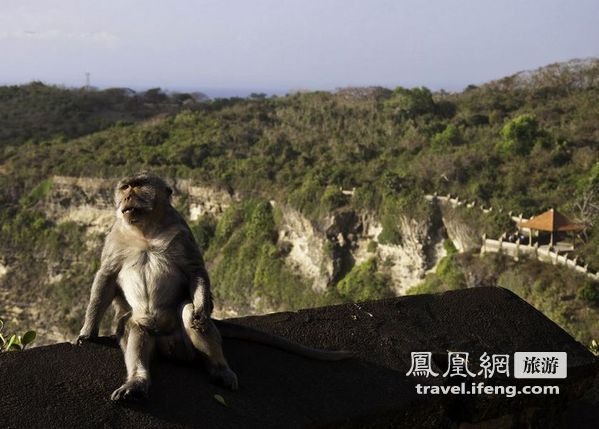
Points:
x=102, y=293
x=197, y=277
x=199, y=289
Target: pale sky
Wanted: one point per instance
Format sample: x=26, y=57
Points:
x=280, y=45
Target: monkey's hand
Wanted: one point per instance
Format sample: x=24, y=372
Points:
x=200, y=318
x=85, y=336
x=84, y=339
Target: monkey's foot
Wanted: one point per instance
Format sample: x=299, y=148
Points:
x=225, y=377
x=132, y=390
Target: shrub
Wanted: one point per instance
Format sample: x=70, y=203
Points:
x=366, y=198
x=391, y=233
x=364, y=282
x=519, y=135
x=38, y=193
x=409, y=203
x=496, y=223
x=409, y=103
x=260, y=221
x=450, y=273
x=450, y=136
x=227, y=224
x=372, y=245
x=588, y=292
x=306, y=198
x=431, y=284
x=203, y=230
x=333, y=198
x=449, y=247
x=447, y=276
x=14, y=341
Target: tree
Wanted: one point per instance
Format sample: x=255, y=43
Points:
x=258, y=95
x=520, y=134
x=154, y=95
x=587, y=206
x=409, y=103
x=199, y=96
x=450, y=136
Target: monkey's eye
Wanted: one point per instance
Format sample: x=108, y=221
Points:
x=124, y=187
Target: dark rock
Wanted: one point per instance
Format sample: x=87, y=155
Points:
x=69, y=386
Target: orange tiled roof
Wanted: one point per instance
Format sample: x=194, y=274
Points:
x=551, y=220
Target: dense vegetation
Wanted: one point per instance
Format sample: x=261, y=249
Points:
x=524, y=144
x=39, y=112
x=522, y=147
x=568, y=298
x=244, y=261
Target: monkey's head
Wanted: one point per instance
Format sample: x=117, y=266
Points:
x=141, y=198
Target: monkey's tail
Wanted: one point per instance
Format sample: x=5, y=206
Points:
x=240, y=332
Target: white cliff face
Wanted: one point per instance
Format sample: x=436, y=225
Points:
x=463, y=236
x=308, y=245
x=86, y=201
x=205, y=200
x=406, y=263
x=89, y=202
x=95, y=219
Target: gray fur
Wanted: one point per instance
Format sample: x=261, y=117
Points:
x=153, y=273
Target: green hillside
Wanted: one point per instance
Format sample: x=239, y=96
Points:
x=37, y=112
x=524, y=143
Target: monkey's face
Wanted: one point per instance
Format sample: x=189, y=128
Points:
x=140, y=196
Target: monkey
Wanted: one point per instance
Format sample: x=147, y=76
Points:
x=153, y=274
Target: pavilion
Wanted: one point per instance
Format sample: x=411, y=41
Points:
x=551, y=221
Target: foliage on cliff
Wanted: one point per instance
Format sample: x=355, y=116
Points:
x=364, y=283
x=246, y=266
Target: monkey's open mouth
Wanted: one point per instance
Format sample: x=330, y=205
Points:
x=132, y=210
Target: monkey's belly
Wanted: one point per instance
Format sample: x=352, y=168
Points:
x=154, y=293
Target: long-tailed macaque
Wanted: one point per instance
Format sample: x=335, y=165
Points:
x=153, y=273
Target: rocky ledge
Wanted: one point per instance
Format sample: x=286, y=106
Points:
x=65, y=385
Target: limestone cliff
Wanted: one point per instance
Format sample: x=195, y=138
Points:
x=321, y=251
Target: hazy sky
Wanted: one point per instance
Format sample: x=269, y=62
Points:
x=288, y=44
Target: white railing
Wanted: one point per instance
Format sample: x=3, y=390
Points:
x=455, y=202
x=544, y=255
x=517, y=249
